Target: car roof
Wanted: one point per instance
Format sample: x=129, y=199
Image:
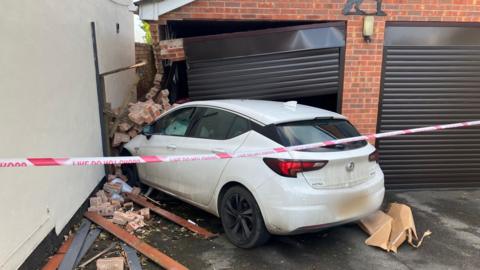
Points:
x=267, y=112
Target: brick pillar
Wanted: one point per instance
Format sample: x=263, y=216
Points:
x=363, y=65
x=156, y=45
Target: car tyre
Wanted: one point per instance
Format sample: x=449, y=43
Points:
x=242, y=219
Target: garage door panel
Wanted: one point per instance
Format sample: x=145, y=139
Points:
x=425, y=86
x=250, y=67
x=275, y=59
x=435, y=63
x=270, y=81
x=271, y=72
x=301, y=90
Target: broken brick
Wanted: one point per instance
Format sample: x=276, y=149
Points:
x=114, y=263
x=106, y=210
x=164, y=93
x=119, y=138
x=158, y=78
x=116, y=204
x=112, y=188
x=123, y=216
x=136, y=118
x=124, y=126
x=101, y=194
x=93, y=209
x=132, y=133
x=147, y=117
x=136, y=191
x=95, y=201
x=132, y=226
x=145, y=212
x=118, y=221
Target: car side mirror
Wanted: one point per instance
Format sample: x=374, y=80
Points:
x=147, y=131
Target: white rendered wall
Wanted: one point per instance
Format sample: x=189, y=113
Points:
x=49, y=107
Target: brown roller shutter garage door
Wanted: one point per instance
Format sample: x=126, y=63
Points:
x=431, y=75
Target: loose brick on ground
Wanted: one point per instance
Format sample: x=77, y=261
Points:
x=114, y=263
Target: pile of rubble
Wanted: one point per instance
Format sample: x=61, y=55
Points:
x=110, y=203
x=130, y=119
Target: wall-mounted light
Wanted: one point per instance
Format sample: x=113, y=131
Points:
x=368, y=27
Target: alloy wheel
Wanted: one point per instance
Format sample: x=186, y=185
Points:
x=239, y=217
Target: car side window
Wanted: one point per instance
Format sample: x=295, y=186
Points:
x=175, y=123
x=217, y=125
x=239, y=126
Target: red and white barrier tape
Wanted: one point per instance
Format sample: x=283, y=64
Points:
x=88, y=161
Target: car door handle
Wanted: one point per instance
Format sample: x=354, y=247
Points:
x=171, y=147
x=219, y=151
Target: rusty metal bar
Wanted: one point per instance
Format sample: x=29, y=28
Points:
x=150, y=252
x=171, y=216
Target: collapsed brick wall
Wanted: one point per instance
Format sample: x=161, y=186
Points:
x=147, y=73
x=363, y=61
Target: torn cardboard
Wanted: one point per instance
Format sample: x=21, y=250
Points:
x=389, y=230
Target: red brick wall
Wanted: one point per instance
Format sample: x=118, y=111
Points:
x=363, y=61
x=172, y=49
x=147, y=73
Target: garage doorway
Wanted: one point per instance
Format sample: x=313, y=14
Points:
x=301, y=62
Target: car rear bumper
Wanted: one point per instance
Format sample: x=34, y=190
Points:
x=297, y=208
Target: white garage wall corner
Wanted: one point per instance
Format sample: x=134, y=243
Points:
x=49, y=107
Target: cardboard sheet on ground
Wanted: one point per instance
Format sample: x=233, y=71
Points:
x=389, y=230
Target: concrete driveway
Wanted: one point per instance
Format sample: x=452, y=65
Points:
x=452, y=216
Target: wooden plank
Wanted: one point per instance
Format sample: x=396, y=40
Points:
x=72, y=253
x=150, y=252
x=91, y=237
x=133, y=261
x=56, y=259
x=171, y=216
x=137, y=65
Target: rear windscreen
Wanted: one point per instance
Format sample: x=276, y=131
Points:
x=319, y=130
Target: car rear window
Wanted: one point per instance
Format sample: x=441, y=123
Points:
x=319, y=130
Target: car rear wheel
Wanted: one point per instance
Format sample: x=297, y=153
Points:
x=241, y=218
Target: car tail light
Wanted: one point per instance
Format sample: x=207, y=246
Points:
x=290, y=167
x=373, y=156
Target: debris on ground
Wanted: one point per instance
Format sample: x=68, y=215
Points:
x=389, y=230
x=184, y=223
x=113, y=210
x=110, y=202
x=144, y=248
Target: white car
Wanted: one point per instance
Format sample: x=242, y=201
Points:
x=284, y=193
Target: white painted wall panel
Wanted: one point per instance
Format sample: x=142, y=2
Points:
x=48, y=107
